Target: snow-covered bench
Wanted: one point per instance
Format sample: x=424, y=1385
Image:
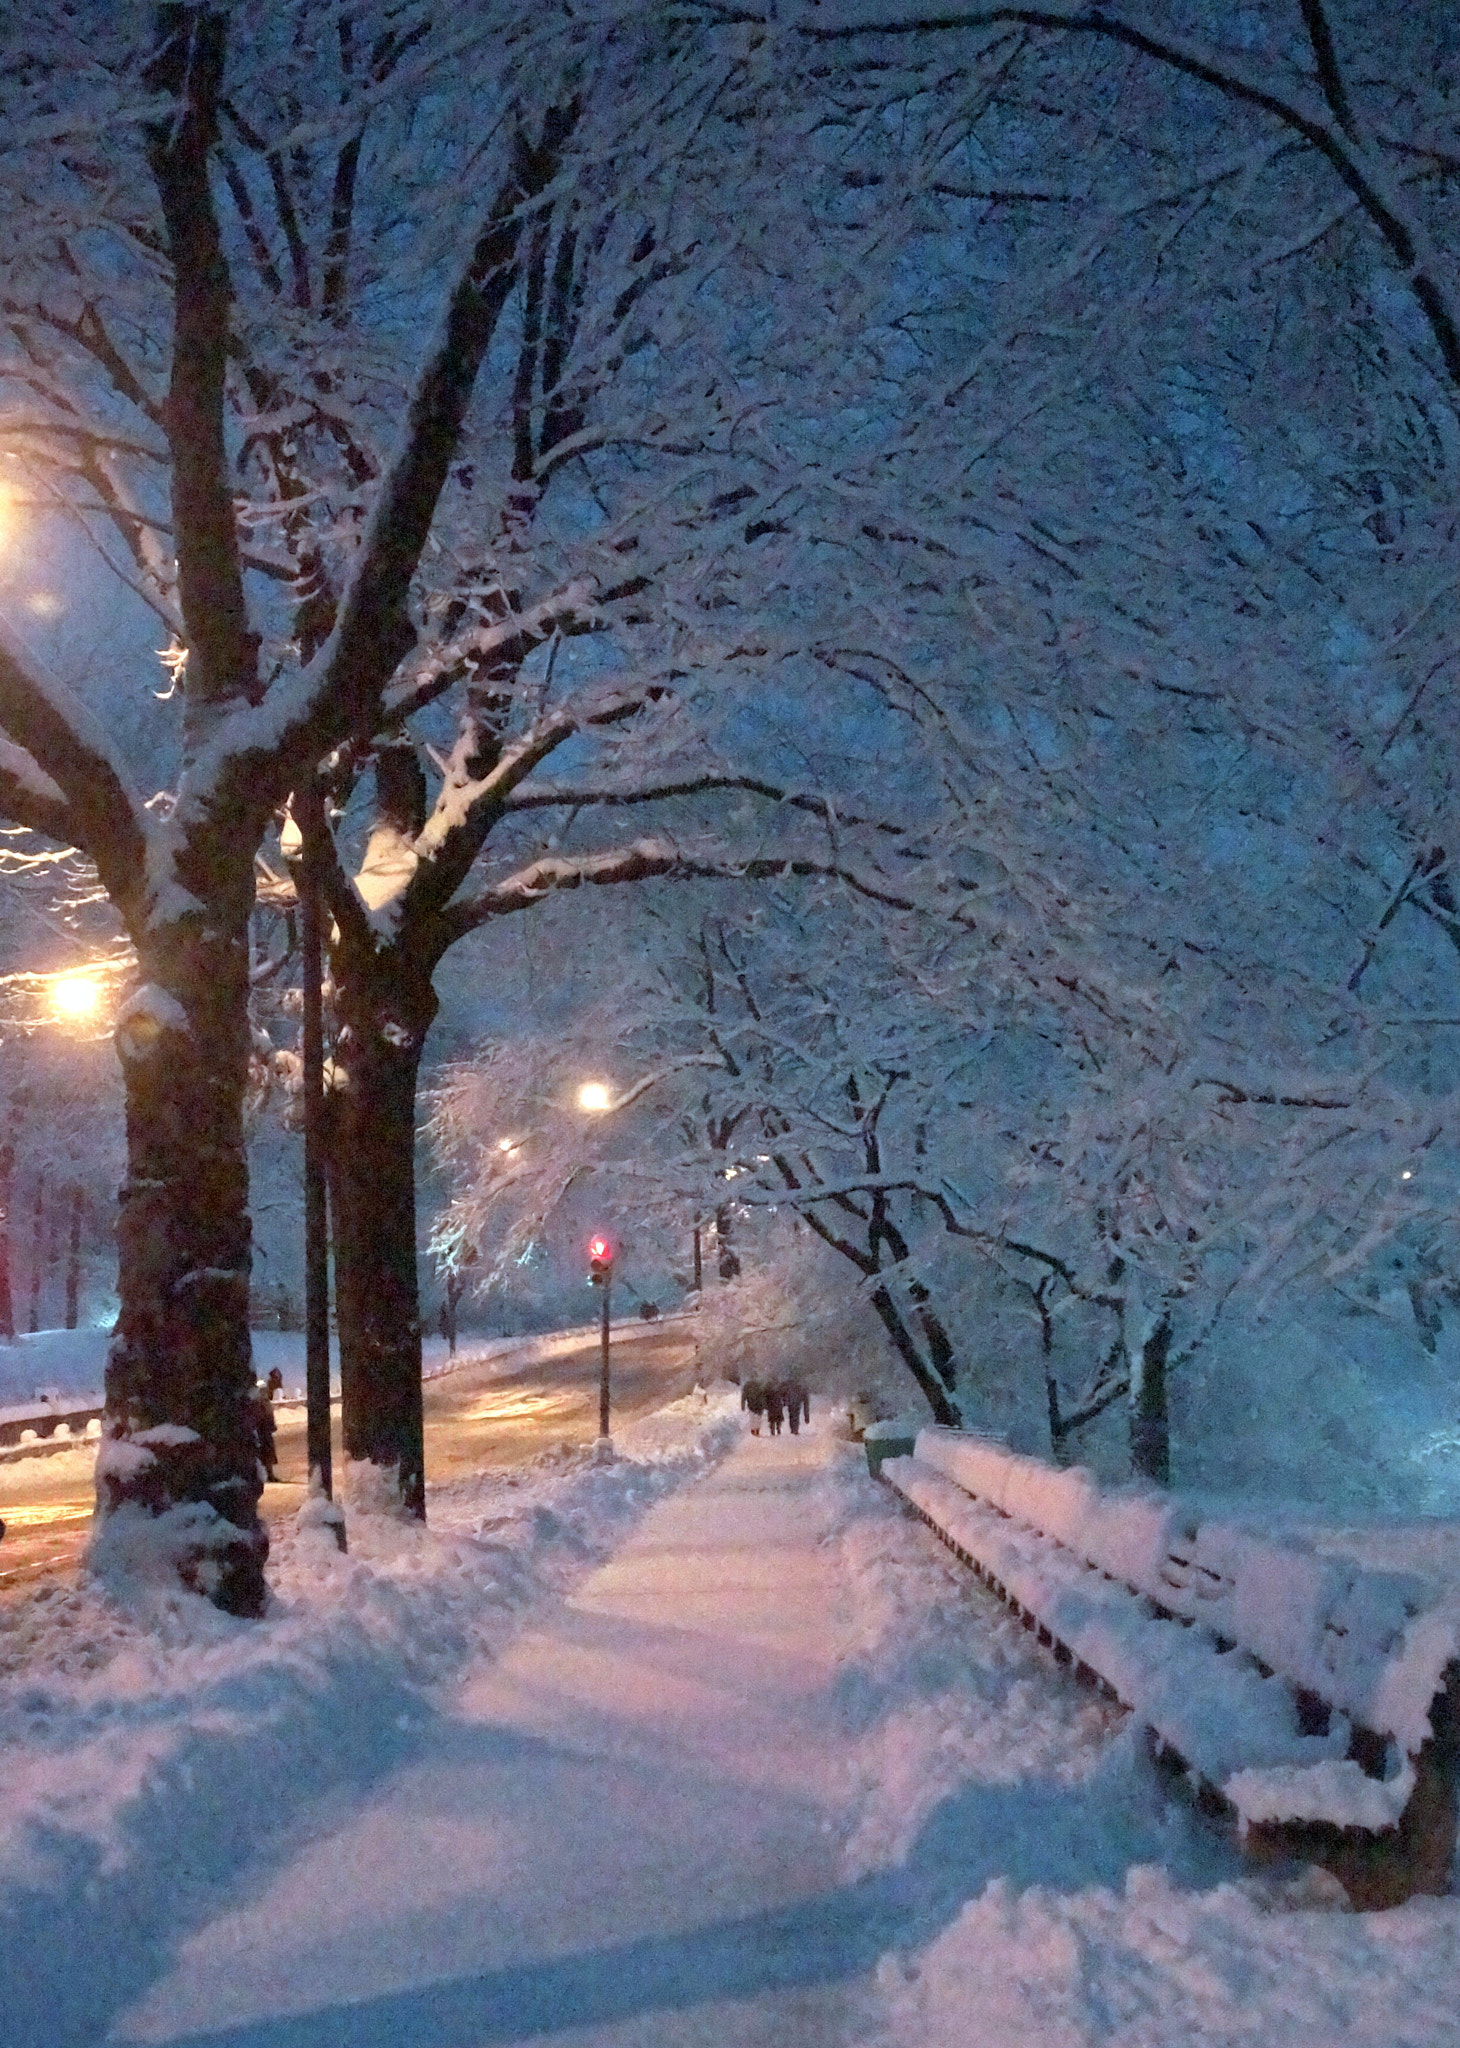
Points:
x=1307, y=1690
x=41, y=1419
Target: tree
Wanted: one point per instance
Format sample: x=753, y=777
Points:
x=178, y=1434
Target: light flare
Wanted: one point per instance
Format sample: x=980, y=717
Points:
x=76, y=998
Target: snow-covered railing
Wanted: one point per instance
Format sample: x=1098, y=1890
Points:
x=63, y=1415
x=1304, y=1688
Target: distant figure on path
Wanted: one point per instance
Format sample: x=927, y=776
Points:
x=263, y=1395
x=752, y=1397
x=775, y=1408
x=798, y=1404
x=450, y=1302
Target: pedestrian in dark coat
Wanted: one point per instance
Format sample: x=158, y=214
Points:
x=752, y=1397
x=798, y=1404
x=263, y=1398
x=775, y=1408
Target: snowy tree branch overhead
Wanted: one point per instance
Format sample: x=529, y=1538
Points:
x=342, y=692
x=71, y=751
x=1329, y=125
x=645, y=859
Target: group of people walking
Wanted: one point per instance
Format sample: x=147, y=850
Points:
x=776, y=1402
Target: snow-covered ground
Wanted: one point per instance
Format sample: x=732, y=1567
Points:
x=1080, y=1906
x=608, y=1759
x=151, y=1759
x=70, y=1362
x=74, y=1361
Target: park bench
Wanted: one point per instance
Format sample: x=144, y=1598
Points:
x=1313, y=1699
x=50, y=1419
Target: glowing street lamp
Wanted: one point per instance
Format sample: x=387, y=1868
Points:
x=595, y=1096
x=76, y=998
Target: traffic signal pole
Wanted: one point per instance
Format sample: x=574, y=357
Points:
x=600, y=1273
x=603, y=1378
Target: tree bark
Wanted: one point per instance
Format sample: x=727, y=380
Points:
x=73, y=1258
x=37, y=1251
x=180, y=1429
x=1150, y=1423
x=7, y=1237
x=373, y=1174
x=945, y=1408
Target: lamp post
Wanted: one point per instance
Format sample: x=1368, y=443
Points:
x=305, y=846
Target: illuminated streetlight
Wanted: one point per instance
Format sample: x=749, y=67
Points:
x=76, y=998
x=595, y=1095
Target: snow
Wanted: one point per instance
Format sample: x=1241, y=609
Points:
x=148, y=1748
x=1373, y=1642
x=145, y=1017
x=1090, y=1910
x=121, y=1458
x=1215, y=1708
x=608, y=1758
x=69, y=1362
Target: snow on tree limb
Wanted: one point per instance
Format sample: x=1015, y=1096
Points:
x=70, y=749
x=644, y=860
x=29, y=797
x=341, y=693
x=1336, y=138
x=223, y=650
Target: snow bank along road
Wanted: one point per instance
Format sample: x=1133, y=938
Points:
x=489, y=1408
x=758, y=1764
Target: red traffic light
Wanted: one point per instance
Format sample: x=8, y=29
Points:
x=598, y=1248
x=600, y=1260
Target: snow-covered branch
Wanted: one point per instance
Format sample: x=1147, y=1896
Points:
x=1335, y=136
x=59, y=744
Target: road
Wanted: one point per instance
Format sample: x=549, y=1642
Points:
x=496, y=1411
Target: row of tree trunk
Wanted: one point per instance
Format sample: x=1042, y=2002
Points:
x=49, y=1219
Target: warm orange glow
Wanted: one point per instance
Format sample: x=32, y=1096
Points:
x=76, y=998
x=595, y=1095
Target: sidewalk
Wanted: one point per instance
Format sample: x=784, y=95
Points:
x=625, y=1835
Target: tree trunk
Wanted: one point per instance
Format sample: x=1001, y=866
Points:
x=37, y=1251
x=1150, y=1424
x=180, y=1430
x=939, y=1396
x=73, y=1259
x=373, y=1177
x=7, y=1237
x=728, y=1259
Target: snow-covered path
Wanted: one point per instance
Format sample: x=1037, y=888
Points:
x=628, y=1833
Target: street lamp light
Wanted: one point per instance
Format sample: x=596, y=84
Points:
x=76, y=997
x=595, y=1096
